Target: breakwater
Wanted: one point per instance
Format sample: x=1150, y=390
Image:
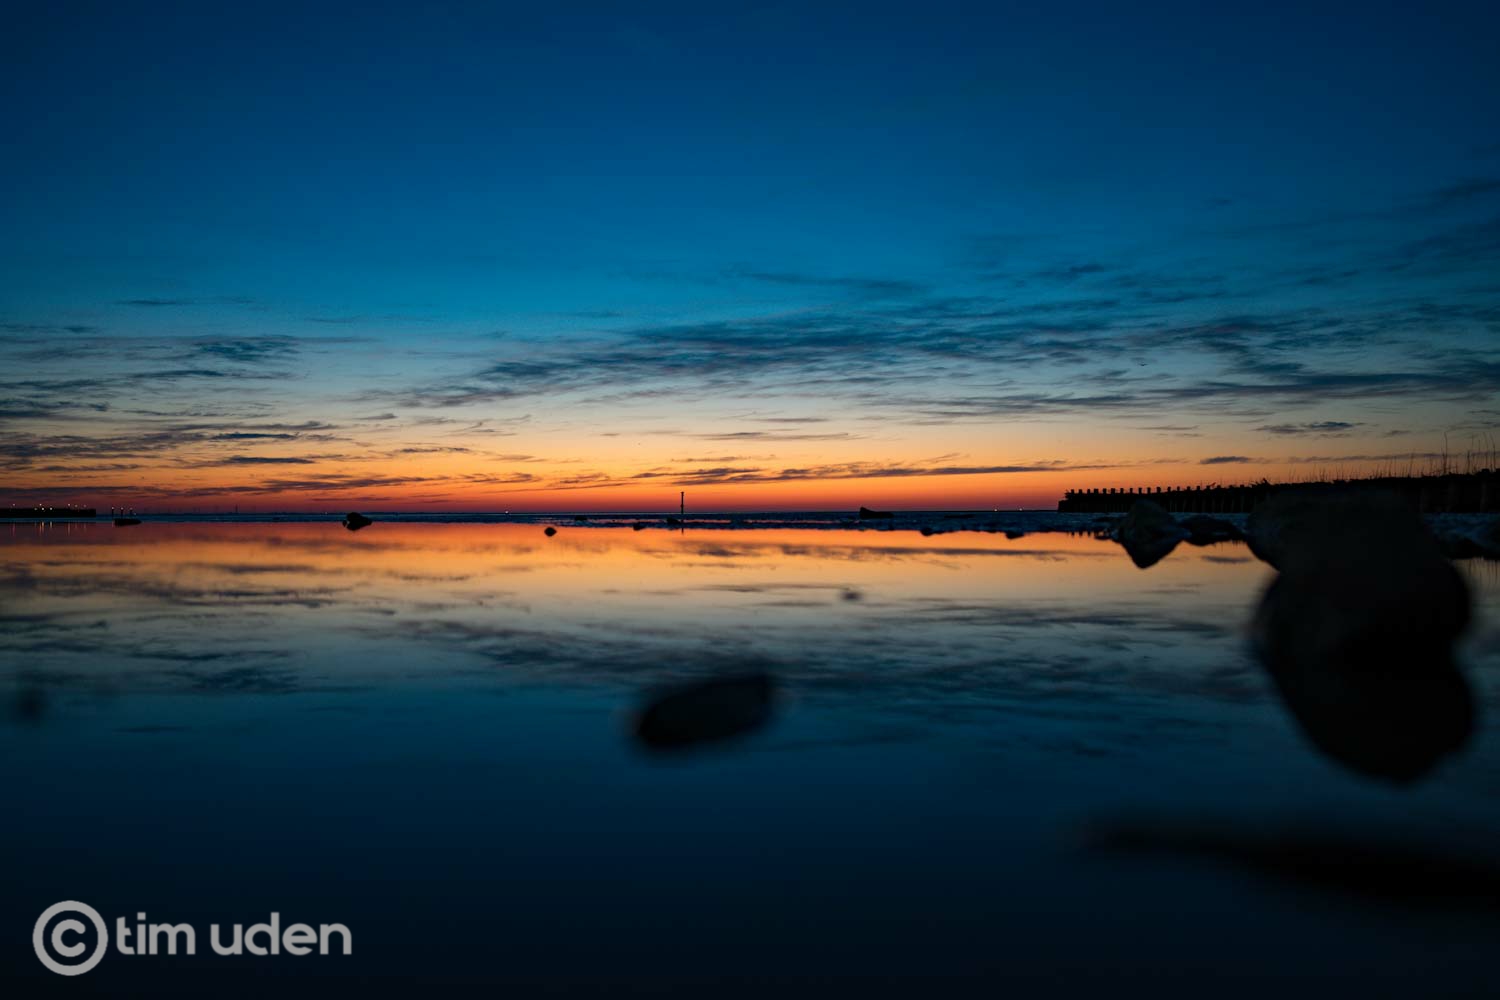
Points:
x=47, y=513
x=1466, y=493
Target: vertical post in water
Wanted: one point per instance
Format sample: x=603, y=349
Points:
x=682, y=504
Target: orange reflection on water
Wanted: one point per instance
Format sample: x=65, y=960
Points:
x=293, y=605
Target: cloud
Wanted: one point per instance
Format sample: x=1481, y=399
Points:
x=250, y=350
x=790, y=420
x=1225, y=460
x=874, y=287
x=950, y=359
x=251, y=436
x=1465, y=191
x=48, y=328
x=725, y=475
x=1321, y=428
x=263, y=460
x=772, y=436
x=1071, y=272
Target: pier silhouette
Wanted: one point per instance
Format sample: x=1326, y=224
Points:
x=1453, y=493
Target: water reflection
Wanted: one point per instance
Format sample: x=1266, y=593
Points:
x=416, y=720
x=297, y=606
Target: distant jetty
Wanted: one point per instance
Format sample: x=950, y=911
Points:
x=1453, y=493
x=46, y=513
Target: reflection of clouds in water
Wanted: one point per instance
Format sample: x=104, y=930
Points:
x=927, y=628
x=904, y=650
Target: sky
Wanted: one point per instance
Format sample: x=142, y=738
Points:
x=778, y=256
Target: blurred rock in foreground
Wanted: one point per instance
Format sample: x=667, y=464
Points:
x=1358, y=631
x=706, y=712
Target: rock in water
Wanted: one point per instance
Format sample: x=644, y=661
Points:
x=125, y=522
x=1358, y=631
x=354, y=520
x=1473, y=540
x=866, y=514
x=1148, y=533
x=550, y=531
x=706, y=712
x=1205, y=530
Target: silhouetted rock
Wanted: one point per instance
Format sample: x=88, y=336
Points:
x=638, y=526
x=706, y=712
x=1205, y=530
x=1013, y=535
x=354, y=520
x=1358, y=631
x=580, y=517
x=550, y=531
x=866, y=514
x=673, y=520
x=125, y=522
x=1148, y=533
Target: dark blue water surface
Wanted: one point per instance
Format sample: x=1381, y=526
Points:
x=992, y=764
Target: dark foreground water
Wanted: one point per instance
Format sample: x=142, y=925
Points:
x=994, y=765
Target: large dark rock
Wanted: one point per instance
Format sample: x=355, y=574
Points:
x=549, y=531
x=866, y=514
x=354, y=520
x=706, y=712
x=1358, y=631
x=1148, y=533
x=125, y=522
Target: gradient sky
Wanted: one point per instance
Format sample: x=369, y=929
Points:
x=506, y=258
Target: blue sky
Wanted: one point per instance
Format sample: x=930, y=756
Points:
x=950, y=237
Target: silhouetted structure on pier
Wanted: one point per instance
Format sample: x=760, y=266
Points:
x=1467, y=493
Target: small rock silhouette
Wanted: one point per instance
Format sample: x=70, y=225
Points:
x=550, y=531
x=1148, y=533
x=866, y=514
x=354, y=520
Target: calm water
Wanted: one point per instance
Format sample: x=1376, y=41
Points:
x=423, y=731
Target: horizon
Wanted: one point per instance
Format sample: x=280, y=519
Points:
x=466, y=260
